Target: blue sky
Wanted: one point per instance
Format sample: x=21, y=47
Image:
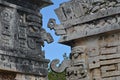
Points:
x=53, y=50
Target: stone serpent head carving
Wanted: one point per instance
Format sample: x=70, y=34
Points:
x=61, y=67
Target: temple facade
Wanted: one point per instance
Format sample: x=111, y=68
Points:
x=92, y=29
x=21, y=40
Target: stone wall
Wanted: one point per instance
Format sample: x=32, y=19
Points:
x=21, y=40
x=92, y=29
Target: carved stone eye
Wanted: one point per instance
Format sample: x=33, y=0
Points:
x=76, y=55
x=6, y=15
x=51, y=24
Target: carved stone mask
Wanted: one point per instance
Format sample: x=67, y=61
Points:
x=76, y=51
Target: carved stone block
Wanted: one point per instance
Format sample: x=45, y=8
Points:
x=111, y=50
x=60, y=14
x=93, y=33
x=21, y=40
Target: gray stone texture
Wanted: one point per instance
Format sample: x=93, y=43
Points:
x=94, y=37
x=22, y=38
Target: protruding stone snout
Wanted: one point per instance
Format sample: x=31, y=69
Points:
x=61, y=67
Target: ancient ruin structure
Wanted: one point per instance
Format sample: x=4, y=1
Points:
x=92, y=29
x=21, y=39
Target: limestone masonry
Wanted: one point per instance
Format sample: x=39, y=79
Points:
x=92, y=29
x=21, y=39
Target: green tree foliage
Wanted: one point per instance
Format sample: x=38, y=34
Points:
x=56, y=76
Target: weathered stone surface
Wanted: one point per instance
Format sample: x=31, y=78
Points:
x=101, y=13
x=90, y=32
x=106, y=69
x=59, y=29
x=61, y=68
x=21, y=40
x=94, y=37
x=111, y=50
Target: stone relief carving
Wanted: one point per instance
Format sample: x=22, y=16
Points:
x=99, y=61
x=62, y=67
x=76, y=73
x=76, y=12
x=46, y=36
x=6, y=26
x=101, y=64
x=89, y=25
x=76, y=67
x=78, y=70
x=21, y=40
x=76, y=51
x=59, y=29
x=83, y=8
x=92, y=30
